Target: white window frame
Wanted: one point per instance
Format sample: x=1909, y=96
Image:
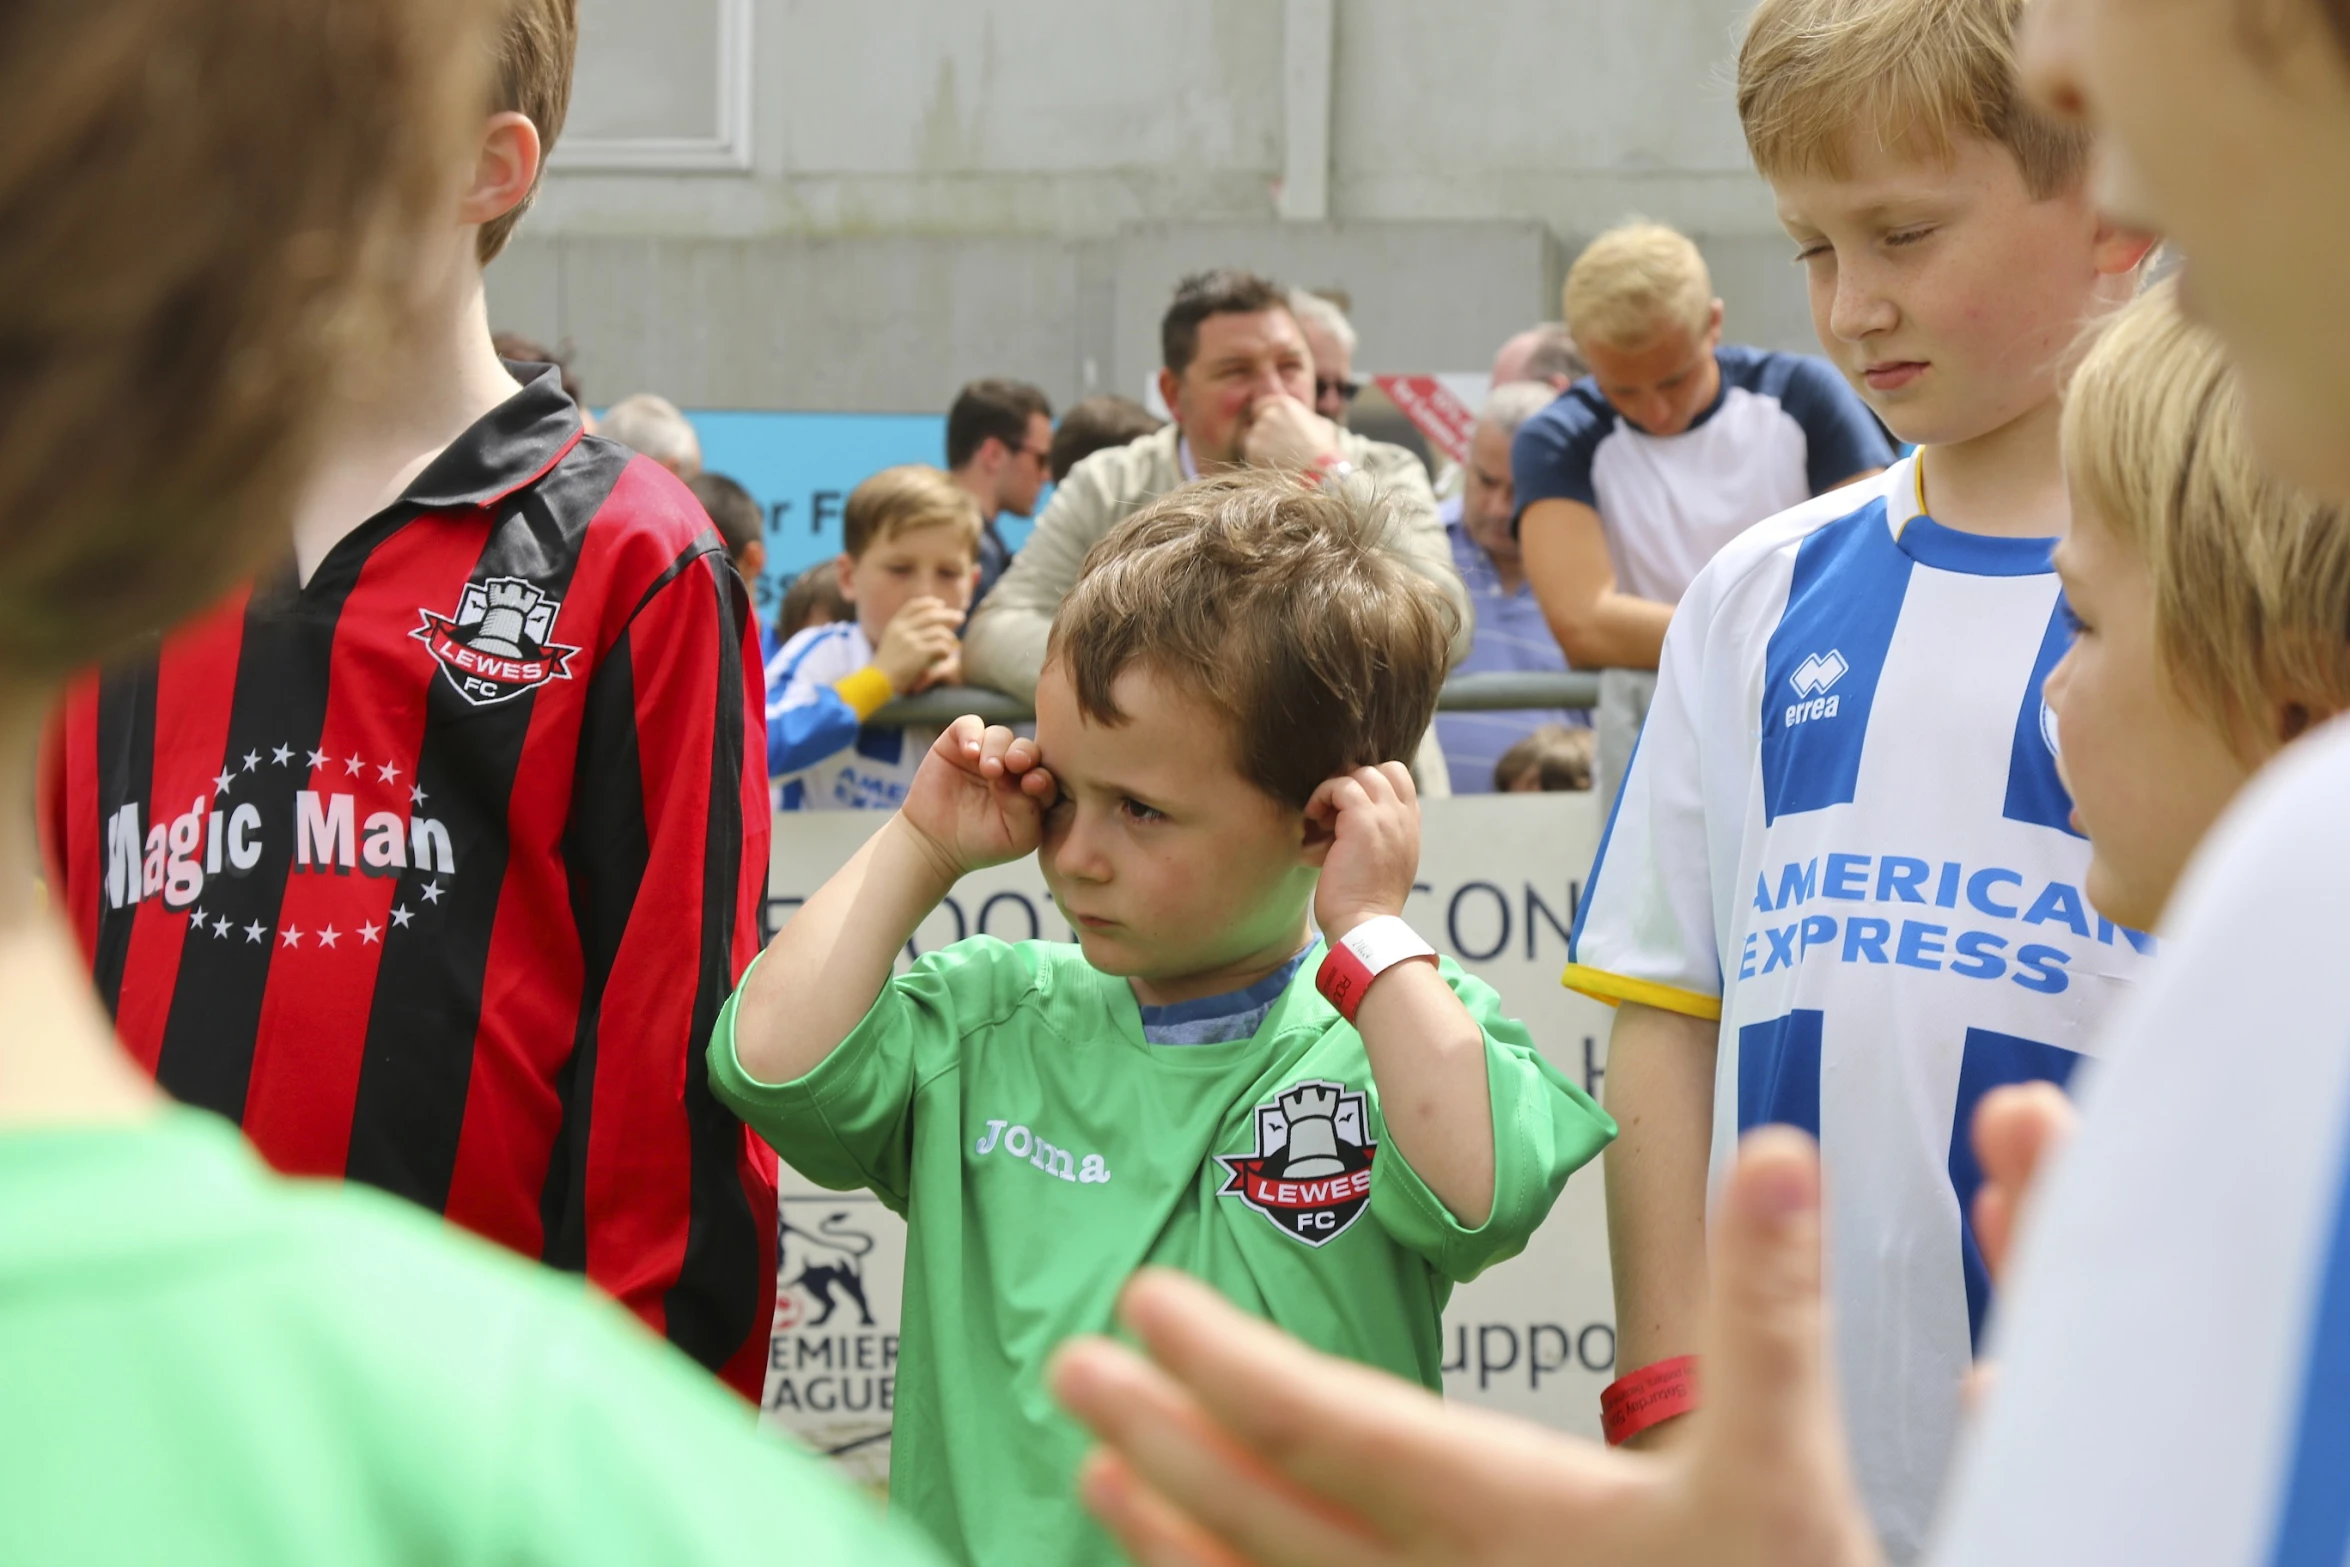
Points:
x=727, y=152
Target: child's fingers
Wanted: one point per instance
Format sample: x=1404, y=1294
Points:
x=1335, y=797
x=1040, y=785
x=959, y=743
x=1399, y=778
x=994, y=741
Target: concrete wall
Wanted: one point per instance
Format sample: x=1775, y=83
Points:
x=858, y=204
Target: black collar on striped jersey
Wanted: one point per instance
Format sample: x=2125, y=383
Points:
x=509, y=447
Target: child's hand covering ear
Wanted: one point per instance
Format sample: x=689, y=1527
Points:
x=979, y=797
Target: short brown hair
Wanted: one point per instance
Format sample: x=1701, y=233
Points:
x=2251, y=580
x=1096, y=424
x=994, y=407
x=1222, y=291
x=813, y=599
x=1289, y=611
x=1555, y=756
x=901, y=499
x=1921, y=73
x=533, y=59
x=736, y=513
x=207, y=211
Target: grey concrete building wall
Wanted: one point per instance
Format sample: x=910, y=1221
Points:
x=859, y=204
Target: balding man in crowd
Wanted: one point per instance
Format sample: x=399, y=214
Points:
x=1545, y=353
x=652, y=427
x=1239, y=379
x=1511, y=636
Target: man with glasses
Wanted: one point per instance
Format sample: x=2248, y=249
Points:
x=999, y=448
x=1330, y=338
x=1238, y=377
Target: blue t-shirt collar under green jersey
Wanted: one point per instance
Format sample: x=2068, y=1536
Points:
x=1221, y=1019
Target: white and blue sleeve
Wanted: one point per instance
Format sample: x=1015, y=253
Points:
x=2174, y=1353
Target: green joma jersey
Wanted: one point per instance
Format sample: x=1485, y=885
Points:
x=1004, y=1099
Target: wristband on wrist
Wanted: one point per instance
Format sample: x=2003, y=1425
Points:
x=1323, y=469
x=1648, y=1397
x=1362, y=955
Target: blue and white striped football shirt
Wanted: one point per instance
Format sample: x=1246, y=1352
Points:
x=820, y=755
x=2174, y=1352
x=1843, y=836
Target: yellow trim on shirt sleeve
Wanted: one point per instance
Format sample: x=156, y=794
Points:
x=1600, y=985
x=867, y=691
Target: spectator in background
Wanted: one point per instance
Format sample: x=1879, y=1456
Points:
x=813, y=599
x=1510, y=633
x=999, y=449
x=1545, y=353
x=652, y=427
x=515, y=348
x=909, y=554
x=1236, y=374
x=1330, y=338
x=1630, y=482
x=1105, y=419
x=1554, y=757
x=742, y=523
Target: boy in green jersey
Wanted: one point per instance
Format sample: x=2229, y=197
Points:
x=1226, y=704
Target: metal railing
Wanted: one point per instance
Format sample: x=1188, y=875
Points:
x=1490, y=693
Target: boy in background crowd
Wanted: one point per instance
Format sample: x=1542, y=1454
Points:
x=908, y=565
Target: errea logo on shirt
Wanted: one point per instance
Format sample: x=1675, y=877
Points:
x=1811, y=679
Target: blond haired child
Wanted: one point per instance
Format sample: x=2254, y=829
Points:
x=908, y=565
x=1843, y=890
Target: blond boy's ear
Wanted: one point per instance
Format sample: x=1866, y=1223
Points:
x=2121, y=250
x=505, y=169
x=844, y=567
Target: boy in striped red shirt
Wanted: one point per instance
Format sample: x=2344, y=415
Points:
x=430, y=856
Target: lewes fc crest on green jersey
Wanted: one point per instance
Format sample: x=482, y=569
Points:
x=1311, y=1170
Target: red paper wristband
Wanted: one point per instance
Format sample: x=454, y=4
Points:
x=1648, y=1397
x=1361, y=956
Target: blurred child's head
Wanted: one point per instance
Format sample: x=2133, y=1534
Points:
x=906, y=533
x=813, y=599
x=1224, y=652
x=1552, y=757
x=1944, y=225
x=740, y=520
x=2213, y=605
x=531, y=79
x=2223, y=124
x=207, y=214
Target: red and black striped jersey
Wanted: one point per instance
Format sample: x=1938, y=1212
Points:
x=434, y=872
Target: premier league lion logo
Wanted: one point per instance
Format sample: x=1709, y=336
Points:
x=1311, y=1171
x=496, y=648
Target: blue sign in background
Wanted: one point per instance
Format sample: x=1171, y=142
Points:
x=801, y=467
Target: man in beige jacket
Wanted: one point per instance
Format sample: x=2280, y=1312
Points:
x=1239, y=379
